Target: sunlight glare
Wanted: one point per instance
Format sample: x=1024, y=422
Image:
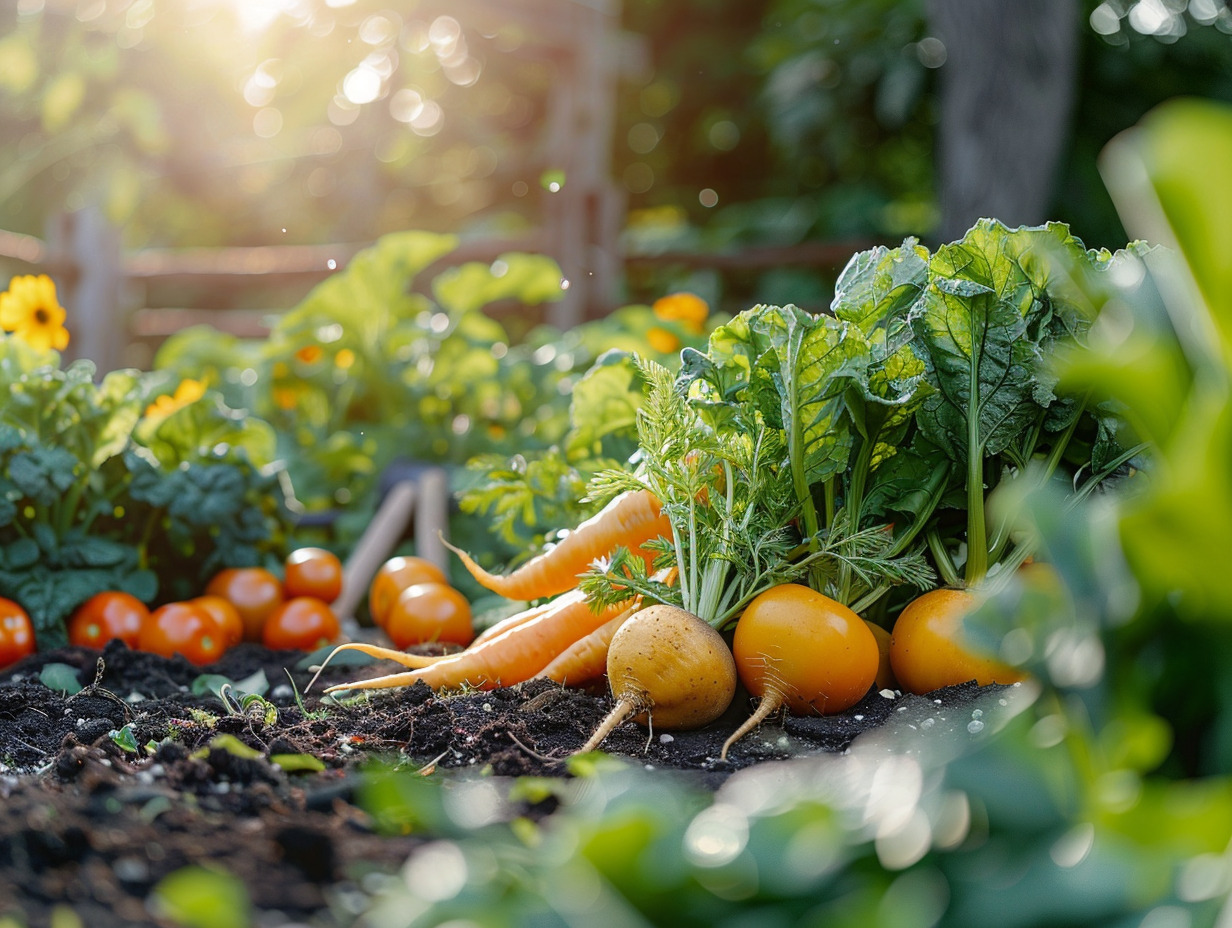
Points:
x=258, y=15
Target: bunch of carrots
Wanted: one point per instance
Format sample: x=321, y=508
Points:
x=563, y=638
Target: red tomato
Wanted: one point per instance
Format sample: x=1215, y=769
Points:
x=927, y=651
x=313, y=572
x=182, y=628
x=225, y=614
x=304, y=623
x=430, y=612
x=253, y=591
x=16, y=633
x=394, y=576
x=107, y=615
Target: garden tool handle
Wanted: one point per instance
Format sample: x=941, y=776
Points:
x=379, y=539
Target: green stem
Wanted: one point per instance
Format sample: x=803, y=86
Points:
x=977, y=531
x=869, y=598
x=1112, y=465
x=945, y=564
x=853, y=504
x=1058, y=450
x=66, y=510
x=147, y=532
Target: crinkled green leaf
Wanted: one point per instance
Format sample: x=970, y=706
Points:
x=43, y=473
x=879, y=286
x=994, y=299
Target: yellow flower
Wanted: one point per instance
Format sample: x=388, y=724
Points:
x=29, y=309
x=189, y=391
x=687, y=308
x=344, y=358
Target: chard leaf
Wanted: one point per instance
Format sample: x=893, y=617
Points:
x=878, y=288
x=800, y=366
x=997, y=304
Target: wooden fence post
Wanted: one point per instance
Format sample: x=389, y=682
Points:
x=585, y=214
x=87, y=265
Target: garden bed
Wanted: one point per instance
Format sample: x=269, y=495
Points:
x=94, y=825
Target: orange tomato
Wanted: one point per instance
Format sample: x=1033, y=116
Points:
x=430, y=612
x=927, y=650
x=185, y=629
x=253, y=591
x=16, y=633
x=304, y=623
x=313, y=572
x=225, y=614
x=107, y=615
x=885, y=673
x=394, y=576
x=808, y=649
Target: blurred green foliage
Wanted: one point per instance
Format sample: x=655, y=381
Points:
x=737, y=124
x=1097, y=794
x=377, y=366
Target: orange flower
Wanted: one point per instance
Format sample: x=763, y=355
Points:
x=286, y=397
x=29, y=309
x=686, y=308
x=189, y=391
x=661, y=340
x=309, y=354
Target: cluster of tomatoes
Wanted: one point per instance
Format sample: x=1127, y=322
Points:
x=239, y=604
x=409, y=598
x=412, y=601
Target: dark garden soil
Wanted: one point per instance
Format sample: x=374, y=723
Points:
x=88, y=824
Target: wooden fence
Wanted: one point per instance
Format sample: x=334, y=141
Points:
x=106, y=288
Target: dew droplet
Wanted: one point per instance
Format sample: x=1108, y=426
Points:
x=975, y=726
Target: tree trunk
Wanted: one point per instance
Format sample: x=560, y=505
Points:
x=1007, y=91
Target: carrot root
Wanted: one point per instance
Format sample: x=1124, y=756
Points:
x=389, y=681
x=621, y=711
x=526, y=615
x=414, y=661
x=586, y=658
x=629, y=520
x=512, y=656
x=769, y=703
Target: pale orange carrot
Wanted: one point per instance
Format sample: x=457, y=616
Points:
x=629, y=520
x=586, y=658
x=510, y=657
x=525, y=616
